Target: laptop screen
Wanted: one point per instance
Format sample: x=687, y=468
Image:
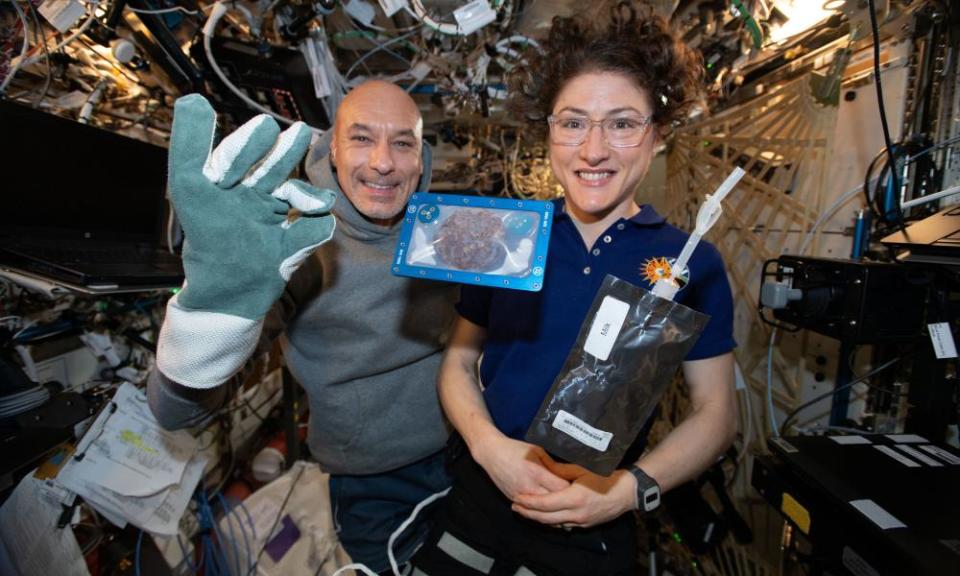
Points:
x=66, y=180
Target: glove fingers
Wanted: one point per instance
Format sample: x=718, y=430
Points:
x=194, y=125
x=283, y=158
x=301, y=238
x=305, y=198
x=240, y=151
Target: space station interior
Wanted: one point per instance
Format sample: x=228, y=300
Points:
x=302, y=287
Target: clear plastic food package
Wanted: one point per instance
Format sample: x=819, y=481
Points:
x=499, y=242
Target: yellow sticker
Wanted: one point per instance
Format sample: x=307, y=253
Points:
x=796, y=512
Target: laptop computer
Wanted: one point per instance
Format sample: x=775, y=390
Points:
x=935, y=239
x=83, y=207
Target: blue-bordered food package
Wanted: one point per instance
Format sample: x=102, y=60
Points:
x=500, y=242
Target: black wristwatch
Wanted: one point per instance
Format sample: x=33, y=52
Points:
x=648, y=491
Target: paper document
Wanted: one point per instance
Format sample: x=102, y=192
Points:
x=33, y=544
x=128, y=452
x=131, y=470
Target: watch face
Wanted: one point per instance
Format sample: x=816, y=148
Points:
x=651, y=499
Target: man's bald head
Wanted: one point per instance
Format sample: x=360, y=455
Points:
x=376, y=149
x=378, y=95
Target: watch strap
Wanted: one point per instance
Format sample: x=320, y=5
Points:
x=648, y=490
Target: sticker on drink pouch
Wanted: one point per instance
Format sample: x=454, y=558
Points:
x=606, y=327
x=581, y=431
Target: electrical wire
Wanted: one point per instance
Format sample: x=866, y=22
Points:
x=246, y=402
x=931, y=197
x=219, y=11
x=220, y=538
x=276, y=521
x=840, y=201
x=356, y=21
x=371, y=37
x=874, y=372
x=233, y=538
x=931, y=148
x=406, y=523
x=253, y=532
x=136, y=553
x=186, y=556
x=873, y=202
x=353, y=566
x=868, y=200
x=79, y=32
x=419, y=12
x=163, y=10
x=23, y=50
x=883, y=113
x=772, y=416
x=373, y=51
x=228, y=513
x=38, y=31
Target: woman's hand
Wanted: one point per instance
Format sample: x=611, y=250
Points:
x=589, y=499
x=518, y=468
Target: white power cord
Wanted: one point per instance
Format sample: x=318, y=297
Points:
x=164, y=10
x=406, y=523
x=393, y=537
x=219, y=10
x=930, y=197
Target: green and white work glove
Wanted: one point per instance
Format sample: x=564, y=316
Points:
x=240, y=247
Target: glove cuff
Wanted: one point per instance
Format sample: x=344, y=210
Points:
x=200, y=349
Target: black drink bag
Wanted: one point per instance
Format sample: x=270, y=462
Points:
x=629, y=347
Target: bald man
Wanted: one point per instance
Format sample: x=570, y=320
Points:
x=365, y=345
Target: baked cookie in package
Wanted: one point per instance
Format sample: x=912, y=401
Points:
x=499, y=242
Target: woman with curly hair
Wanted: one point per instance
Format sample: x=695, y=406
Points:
x=606, y=93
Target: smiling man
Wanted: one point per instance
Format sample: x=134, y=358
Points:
x=364, y=344
x=377, y=150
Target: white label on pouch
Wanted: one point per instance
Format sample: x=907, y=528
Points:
x=606, y=327
x=581, y=431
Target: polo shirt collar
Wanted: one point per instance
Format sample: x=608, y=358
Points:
x=647, y=216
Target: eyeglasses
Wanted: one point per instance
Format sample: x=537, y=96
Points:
x=618, y=131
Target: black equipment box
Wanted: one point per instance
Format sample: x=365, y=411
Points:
x=871, y=504
x=856, y=302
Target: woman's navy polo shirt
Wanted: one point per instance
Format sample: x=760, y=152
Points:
x=529, y=334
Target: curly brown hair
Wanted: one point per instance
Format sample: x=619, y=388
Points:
x=641, y=46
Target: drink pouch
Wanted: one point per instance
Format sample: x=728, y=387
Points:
x=629, y=347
